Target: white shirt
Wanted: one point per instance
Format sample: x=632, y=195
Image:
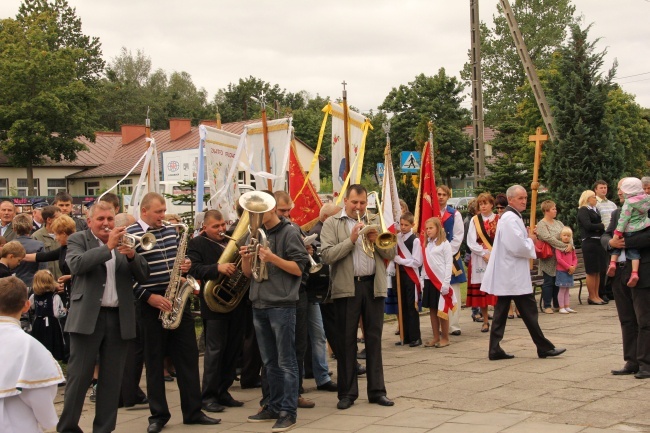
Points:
x=411, y=259
x=363, y=264
x=459, y=231
x=508, y=271
x=109, y=299
x=440, y=261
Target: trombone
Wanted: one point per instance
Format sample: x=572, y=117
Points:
x=385, y=239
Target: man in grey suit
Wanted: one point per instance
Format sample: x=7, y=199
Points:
x=101, y=318
x=7, y=214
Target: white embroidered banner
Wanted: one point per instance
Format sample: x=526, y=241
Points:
x=279, y=133
x=357, y=127
x=222, y=152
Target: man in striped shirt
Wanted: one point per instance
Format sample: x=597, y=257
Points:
x=179, y=343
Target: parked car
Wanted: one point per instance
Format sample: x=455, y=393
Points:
x=459, y=203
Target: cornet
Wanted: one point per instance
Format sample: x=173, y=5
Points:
x=314, y=267
x=147, y=241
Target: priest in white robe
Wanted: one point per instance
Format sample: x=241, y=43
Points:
x=508, y=277
x=29, y=374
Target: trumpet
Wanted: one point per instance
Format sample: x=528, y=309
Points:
x=368, y=247
x=147, y=241
x=314, y=267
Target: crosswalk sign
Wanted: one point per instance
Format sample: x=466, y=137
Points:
x=410, y=162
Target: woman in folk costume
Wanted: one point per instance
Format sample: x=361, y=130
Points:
x=409, y=259
x=480, y=237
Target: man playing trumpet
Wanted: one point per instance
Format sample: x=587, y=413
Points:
x=358, y=289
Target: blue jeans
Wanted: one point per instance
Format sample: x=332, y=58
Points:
x=318, y=345
x=275, y=329
x=550, y=291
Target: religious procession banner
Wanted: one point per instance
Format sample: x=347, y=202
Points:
x=223, y=151
x=306, y=202
x=280, y=133
x=358, y=127
x=389, y=196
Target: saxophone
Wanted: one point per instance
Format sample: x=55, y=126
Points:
x=223, y=294
x=177, y=291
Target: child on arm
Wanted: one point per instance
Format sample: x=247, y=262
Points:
x=48, y=308
x=28, y=383
x=633, y=219
x=12, y=254
x=436, y=273
x=566, y=266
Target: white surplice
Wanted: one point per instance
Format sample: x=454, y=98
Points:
x=28, y=381
x=508, y=271
x=478, y=250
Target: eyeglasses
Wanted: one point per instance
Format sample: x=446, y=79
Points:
x=500, y=207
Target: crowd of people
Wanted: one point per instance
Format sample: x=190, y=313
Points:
x=95, y=301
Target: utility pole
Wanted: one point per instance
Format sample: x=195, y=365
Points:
x=477, y=94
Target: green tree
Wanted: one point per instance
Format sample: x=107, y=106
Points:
x=438, y=98
x=47, y=72
x=584, y=151
x=235, y=101
x=630, y=130
x=507, y=168
x=544, y=27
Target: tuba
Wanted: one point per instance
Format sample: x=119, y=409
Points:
x=257, y=203
x=177, y=291
x=225, y=293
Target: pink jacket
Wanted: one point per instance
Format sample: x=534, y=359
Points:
x=565, y=260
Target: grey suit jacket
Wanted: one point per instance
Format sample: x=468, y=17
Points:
x=86, y=259
x=10, y=235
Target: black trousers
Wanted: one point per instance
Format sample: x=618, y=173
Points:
x=527, y=308
x=641, y=302
x=224, y=339
x=328, y=312
x=410, y=315
x=180, y=343
x=371, y=310
x=131, y=391
x=108, y=343
x=627, y=317
x=251, y=358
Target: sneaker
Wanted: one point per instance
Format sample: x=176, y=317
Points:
x=563, y=311
x=284, y=423
x=570, y=310
x=264, y=415
x=93, y=394
x=548, y=310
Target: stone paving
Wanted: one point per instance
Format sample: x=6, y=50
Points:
x=456, y=389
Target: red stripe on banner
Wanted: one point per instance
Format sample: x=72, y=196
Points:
x=307, y=204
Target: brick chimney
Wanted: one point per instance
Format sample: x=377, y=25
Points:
x=178, y=128
x=208, y=122
x=131, y=132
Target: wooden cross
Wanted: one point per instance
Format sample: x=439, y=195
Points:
x=538, y=139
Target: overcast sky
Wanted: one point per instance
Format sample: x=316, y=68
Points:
x=374, y=45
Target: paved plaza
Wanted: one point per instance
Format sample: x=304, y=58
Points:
x=456, y=389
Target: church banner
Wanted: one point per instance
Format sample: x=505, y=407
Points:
x=306, y=202
x=280, y=132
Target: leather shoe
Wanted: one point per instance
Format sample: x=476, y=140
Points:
x=552, y=352
x=257, y=384
x=329, y=386
x=623, y=371
x=361, y=370
x=305, y=403
x=415, y=343
x=456, y=333
x=642, y=375
x=362, y=354
x=500, y=355
x=203, y=419
x=382, y=401
x=605, y=299
x=344, y=403
x=231, y=402
x=155, y=427
x=590, y=302
x=212, y=406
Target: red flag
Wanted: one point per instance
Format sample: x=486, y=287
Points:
x=427, y=203
x=307, y=204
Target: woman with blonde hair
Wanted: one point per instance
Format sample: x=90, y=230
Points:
x=591, y=228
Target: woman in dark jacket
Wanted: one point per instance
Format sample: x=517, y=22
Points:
x=595, y=257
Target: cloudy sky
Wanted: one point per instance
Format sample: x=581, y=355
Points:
x=374, y=45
